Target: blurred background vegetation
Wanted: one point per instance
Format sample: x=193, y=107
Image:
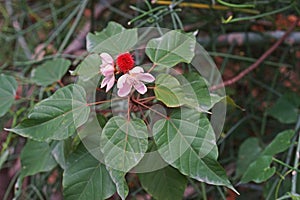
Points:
x=235, y=33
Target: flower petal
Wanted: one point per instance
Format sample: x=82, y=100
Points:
x=124, y=90
x=104, y=82
x=136, y=70
x=107, y=70
x=110, y=83
x=106, y=59
x=140, y=87
x=146, y=77
x=122, y=80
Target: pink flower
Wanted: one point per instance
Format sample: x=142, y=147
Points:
x=107, y=68
x=135, y=78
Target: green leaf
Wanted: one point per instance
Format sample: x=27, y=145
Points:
x=60, y=150
x=286, y=109
x=248, y=152
x=56, y=117
x=215, y=98
x=102, y=120
x=168, y=90
x=187, y=141
x=151, y=161
x=51, y=71
x=36, y=157
x=86, y=178
x=124, y=142
x=8, y=88
x=196, y=91
x=166, y=183
x=89, y=67
x=3, y=157
x=231, y=102
x=280, y=143
x=118, y=178
x=114, y=39
x=259, y=171
x=93, y=40
x=172, y=48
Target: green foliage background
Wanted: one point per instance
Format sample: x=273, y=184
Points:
x=259, y=141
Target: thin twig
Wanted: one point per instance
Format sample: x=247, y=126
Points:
x=243, y=38
x=258, y=62
x=78, y=42
x=206, y=6
x=296, y=162
x=74, y=25
x=149, y=108
x=16, y=25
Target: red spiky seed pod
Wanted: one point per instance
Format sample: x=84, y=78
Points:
x=125, y=62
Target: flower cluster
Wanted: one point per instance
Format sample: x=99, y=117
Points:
x=132, y=76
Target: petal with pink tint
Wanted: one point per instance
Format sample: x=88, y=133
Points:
x=122, y=80
x=104, y=82
x=135, y=78
x=124, y=90
x=136, y=70
x=140, y=87
x=106, y=59
x=145, y=77
x=107, y=70
x=110, y=83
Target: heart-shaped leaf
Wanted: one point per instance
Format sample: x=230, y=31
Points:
x=56, y=117
x=195, y=91
x=50, y=71
x=168, y=90
x=124, y=142
x=166, y=183
x=60, y=150
x=280, y=143
x=172, y=48
x=259, y=171
x=93, y=40
x=86, y=178
x=186, y=141
x=118, y=177
x=113, y=40
x=248, y=152
x=89, y=67
x=286, y=109
x=36, y=157
x=8, y=88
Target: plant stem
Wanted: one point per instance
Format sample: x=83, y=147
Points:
x=257, y=16
x=236, y=5
x=286, y=165
x=207, y=6
x=145, y=13
x=74, y=25
x=128, y=109
x=258, y=62
x=153, y=66
x=221, y=193
x=247, y=59
x=149, y=108
x=100, y=102
x=294, y=177
x=203, y=190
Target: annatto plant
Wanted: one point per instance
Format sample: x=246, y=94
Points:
x=139, y=105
